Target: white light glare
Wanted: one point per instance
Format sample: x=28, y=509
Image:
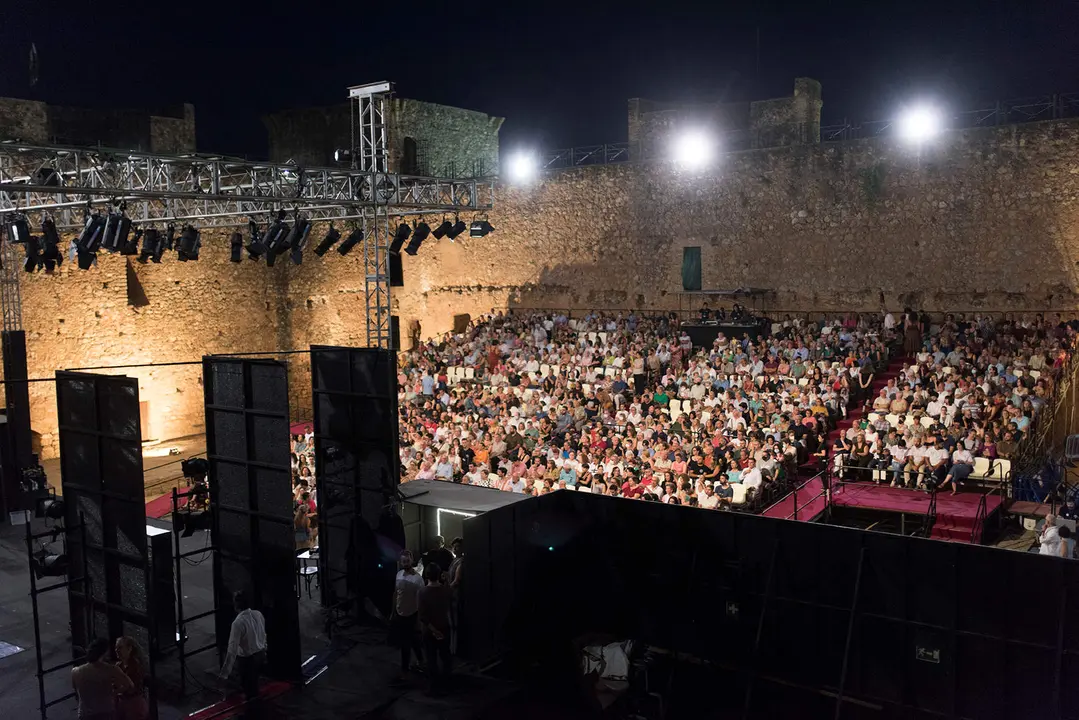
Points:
x=693, y=149
x=920, y=123
x=523, y=167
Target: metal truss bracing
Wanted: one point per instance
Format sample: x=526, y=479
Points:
x=212, y=191
x=10, y=297
x=377, y=236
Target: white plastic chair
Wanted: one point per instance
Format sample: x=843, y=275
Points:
x=926, y=421
x=470, y=373
x=556, y=369
x=803, y=382
x=892, y=419
x=739, y=497
x=981, y=468
x=587, y=388
x=603, y=338
x=1035, y=374
x=873, y=418
x=592, y=336
x=676, y=405
x=610, y=371
x=545, y=370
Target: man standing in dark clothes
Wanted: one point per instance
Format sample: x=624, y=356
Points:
x=438, y=554
x=436, y=602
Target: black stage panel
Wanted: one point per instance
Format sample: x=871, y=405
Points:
x=918, y=626
x=247, y=445
x=102, y=480
x=357, y=470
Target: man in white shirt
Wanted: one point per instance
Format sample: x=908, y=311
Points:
x=936, y=461
x=403, y=631
x=962, y=467
x=247, y=641
x=707, y=498
x=751, y=476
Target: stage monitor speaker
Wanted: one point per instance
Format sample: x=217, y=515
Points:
x=397, y=271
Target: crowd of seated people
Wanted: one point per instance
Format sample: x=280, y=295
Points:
x=624, y=405
x=961, y=403
x=304, y=495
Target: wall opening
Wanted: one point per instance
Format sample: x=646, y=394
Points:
x=691, y=269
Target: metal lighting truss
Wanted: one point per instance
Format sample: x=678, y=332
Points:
x=212, y=191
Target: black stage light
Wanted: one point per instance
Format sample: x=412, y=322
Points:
x=90, y=237
x=275, y=238
x=50, y=245
x=153, y=244
x=442, y=230
x=479, y=228
x=332, y=236
x=255, y=248
x=341, y=155
x=131, y=247
x=297, y=239
x=170, y=238
x=190, y=242
x=399, y=237
x=47, y=176
x=18, y=230
x=458, y=228
x=420, y=234
x=354, y=238
x=33, y=254
x=195, y=468
x=237, y=243
x=50, y=507
x=117, y=229
x=49, y=564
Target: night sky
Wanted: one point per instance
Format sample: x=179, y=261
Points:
x=560, y=73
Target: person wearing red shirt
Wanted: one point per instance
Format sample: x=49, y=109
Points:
x=631, y=488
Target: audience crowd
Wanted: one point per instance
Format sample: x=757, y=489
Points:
x=623, y=404
x=304, y=494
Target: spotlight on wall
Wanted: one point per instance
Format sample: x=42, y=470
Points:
x=422, y=231
x=332, y=236
x=255, y=248
x=441, y=231
x=297, y=239
x=919, y=123
x=275, y=238
x=523, y=167
x=342, y=155
x=693, y=150
x=399, y=238
x=236, y=247
x=153, y=246
x=50, y=245
x=458, y=228
x=190, y=242
x=18, y=230
x=479, y=228
x=353, y=239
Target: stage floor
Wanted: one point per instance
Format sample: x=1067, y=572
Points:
x=956, y=515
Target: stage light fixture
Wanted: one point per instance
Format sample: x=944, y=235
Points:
x=523, y=167
x=153, y=245
x=50, y=507
x=479, y=228
x=693, y=150
x=332, y=236
x=18, y=230
x=354, y=238
x=50, y=245
x=458, y=228
x=275, y=238
x=117, y=229
x=131, y=246
x=190, y=242
x=297, y=239
x=236, y=244
x=399, y=238
x=422, y=231
x=170, y=238
x=255, y=248
x=919, y=124
x=342, y=155
x=49, y=564
x=33, y=254
x=442, y=230
x=89, y=241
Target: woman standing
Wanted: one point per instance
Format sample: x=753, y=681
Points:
x=132, y=704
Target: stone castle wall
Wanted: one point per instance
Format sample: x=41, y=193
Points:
x=34, y=122
x=982, y=220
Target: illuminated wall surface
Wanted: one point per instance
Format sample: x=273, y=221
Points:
x=978, y=220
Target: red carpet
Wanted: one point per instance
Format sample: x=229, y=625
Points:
x=162, y=506
x=811, y=502
x=232, y=706
x=955, y=514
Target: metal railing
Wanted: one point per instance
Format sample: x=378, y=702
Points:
x=822, y=476
x=1002, y=112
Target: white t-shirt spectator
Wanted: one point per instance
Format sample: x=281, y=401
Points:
x=752, y=478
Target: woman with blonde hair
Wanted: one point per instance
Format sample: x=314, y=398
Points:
x=132, y=704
